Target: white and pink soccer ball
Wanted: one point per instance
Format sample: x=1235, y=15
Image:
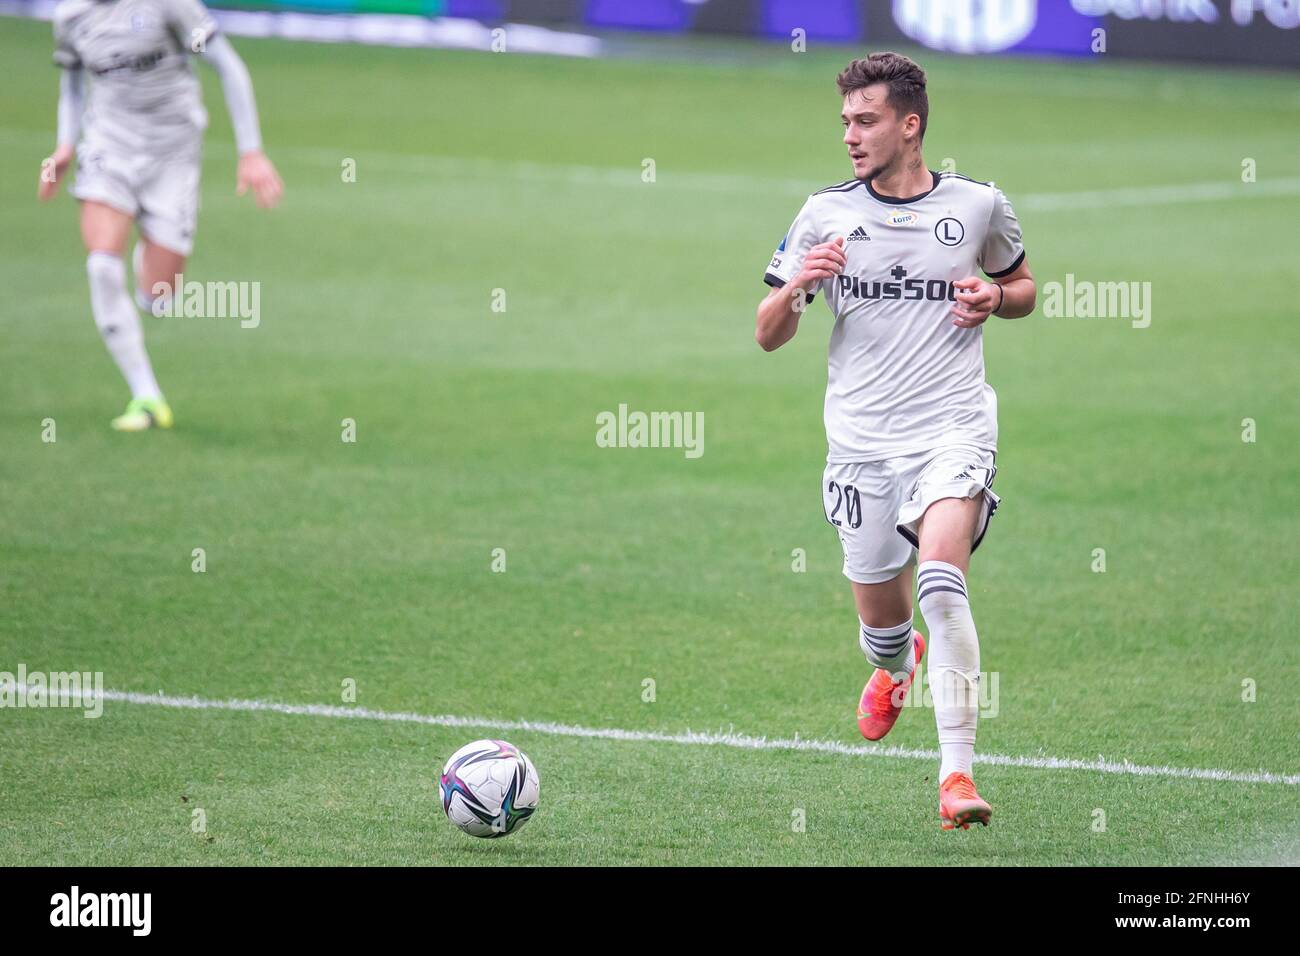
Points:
x=489, y=788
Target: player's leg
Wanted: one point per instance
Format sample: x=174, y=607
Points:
x=104, y=231
x=156, y=268
x=885, y=617
x=947, y=530
x=894, y=649
x=887, y=601
x=104, y=228
x=166, y=188
x=169, y=210
x=861, y=501
x=957, y=505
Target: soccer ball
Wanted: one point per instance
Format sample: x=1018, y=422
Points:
x=489, y=788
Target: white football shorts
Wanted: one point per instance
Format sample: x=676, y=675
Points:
x=160, y=191
x=876, y=506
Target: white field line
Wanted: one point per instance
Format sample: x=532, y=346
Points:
x=697, y=738
x=505, y=172
x=1170, y=194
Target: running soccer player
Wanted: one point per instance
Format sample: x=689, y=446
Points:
x=138, y=159
x=911, y=424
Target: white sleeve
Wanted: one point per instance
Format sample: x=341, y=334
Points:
x=805, y=232
x=238, y=87
x=72, y=85
x=1003, y=250
x=65, y=51
x=190, y=23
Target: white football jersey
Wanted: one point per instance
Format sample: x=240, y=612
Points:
x=143, y=92
x=902, y=378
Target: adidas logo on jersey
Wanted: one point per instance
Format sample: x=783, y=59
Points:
x=859, y=233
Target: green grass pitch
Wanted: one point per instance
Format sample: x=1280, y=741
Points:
x=372, y=561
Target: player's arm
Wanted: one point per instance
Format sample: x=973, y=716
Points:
x=1008, y=296
x=1011, y=293
x=256, y=172
x=778, y=313
x=1019, y=293
x=72, y=98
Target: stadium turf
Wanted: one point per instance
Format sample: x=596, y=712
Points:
x=372, y=561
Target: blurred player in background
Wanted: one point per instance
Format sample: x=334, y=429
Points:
x=139, y=159
x=910, y=422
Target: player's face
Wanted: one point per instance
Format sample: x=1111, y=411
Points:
x=873, y=131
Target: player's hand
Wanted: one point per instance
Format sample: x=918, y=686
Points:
x=824, y=261
x=257, y=173
x=976, y=300
x=52, y=169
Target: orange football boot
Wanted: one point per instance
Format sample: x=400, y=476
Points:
x=882, y=698
x=960, y=805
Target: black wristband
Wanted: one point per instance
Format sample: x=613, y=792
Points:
x=1002, y=297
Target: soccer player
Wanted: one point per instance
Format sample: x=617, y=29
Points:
x=911, y=424
x=138, y=159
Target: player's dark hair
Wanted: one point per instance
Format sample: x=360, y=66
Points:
x=905, y=80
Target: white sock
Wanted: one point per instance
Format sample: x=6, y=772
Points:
x=119, y=323
x=889, y=648
x=954, y=653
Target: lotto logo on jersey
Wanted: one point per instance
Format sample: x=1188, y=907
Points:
x=901, y=218
x=914, y=289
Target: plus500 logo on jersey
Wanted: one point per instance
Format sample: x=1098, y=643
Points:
x=121, y=62
x=930, y=290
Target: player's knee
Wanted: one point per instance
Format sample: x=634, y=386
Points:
x=106, y=272
x=110, y=304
